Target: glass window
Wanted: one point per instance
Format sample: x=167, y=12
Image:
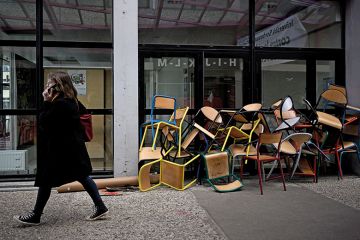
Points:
x=223, y=82
x=171, y=76
x=214, y=22
x=17, y=89
x=17, y=144
x=325, y=75
x=91, y=73
x=90, y=69
x=18, y=20
x=100, y=148
x=281, y=78
x=80, y=20
x=300, y=24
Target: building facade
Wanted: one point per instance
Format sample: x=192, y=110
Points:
x=221, y=53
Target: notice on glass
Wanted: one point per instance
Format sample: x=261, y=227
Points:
x=78, y=78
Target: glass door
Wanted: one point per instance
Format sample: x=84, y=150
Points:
x=223, y=82
x=170, y=76
x=283, y=77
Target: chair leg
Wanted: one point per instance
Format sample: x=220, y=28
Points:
x=338, y=164
x=271, y=170
x=260, y=177
x=314, y=168
x=282, y=174
x=142, y=137
x=241, y=167
x=153, y=147
x=296, y=164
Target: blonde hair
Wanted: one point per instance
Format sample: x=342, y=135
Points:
x=64, y=83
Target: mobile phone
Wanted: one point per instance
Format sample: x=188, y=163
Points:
x=54, y=87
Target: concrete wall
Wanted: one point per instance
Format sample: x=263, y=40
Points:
x=125, y=87
x=352, y=51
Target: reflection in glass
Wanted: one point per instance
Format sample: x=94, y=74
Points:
x=313, y=24
x=17, y=144
x=171, y=76
x=223, y=82
x=214, y=22
x=100, y=148
x=18, y=20
x=283, y=77
x=89, y=21
x=18, y=82
x=325, y=75
x=90, y=70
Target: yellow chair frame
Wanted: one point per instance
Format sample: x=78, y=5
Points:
x=180, y=117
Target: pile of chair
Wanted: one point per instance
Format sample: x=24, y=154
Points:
x=218, y=141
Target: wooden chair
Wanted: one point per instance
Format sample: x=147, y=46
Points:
x=325, y=124
x=268, y=139
x=237, y=151
x=217, y=168
x=158, y=102
x=244, y=124
x=172, y=165
x=293, y=146
x=169, y=129
x=286, y=115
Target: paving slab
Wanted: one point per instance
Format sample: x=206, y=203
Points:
x=297, y=213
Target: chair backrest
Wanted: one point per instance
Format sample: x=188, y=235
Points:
x=259, y=129
x=285, y=115
x=276, y=104
x=211, y=114
x=163, y=102
x=264, y=122
x=286, y=104
x=339, y=88
x=252, y=107
x=217, y=165
x=334, y=95
x=298, y=139
x=180, y=116
x=189, y=137
x=270, y=139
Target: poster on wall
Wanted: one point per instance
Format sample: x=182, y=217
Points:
x=78, y=78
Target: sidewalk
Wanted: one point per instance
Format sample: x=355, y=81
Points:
x=197, y=213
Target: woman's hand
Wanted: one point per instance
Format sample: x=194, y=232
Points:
x=49, y=94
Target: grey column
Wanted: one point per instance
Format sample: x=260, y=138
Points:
x=352, y=51
x=125, y=21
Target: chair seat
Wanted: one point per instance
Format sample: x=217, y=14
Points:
x=182, y=154
x=347, y=145
x=229, y=187
x=262, y=158
x=329, y=120
x=240, y=150
x=287, y=123
x=147, y=153
x=237, y=133
x=286, y=147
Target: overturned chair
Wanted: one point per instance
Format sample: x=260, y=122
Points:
x=218, y=174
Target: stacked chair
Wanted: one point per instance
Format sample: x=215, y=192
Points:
x=217, y=141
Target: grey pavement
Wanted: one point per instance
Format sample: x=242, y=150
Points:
x=326, y=210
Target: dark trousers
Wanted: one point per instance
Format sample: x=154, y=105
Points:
x=88, y=184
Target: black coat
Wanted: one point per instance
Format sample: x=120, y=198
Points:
x=62, y=155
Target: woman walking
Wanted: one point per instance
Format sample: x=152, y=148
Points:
x=62, y=156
